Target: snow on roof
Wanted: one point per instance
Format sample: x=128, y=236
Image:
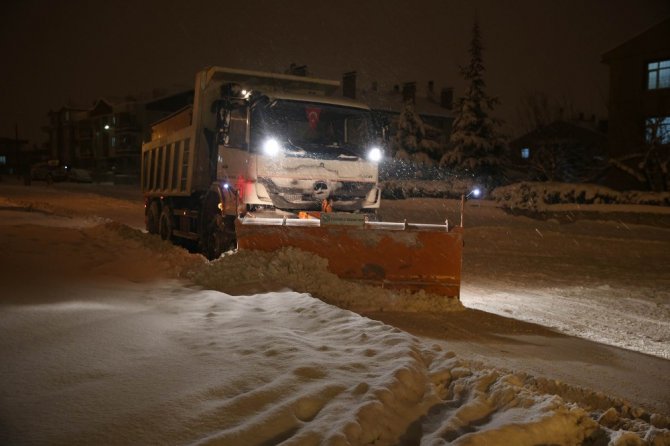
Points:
x=392, y=101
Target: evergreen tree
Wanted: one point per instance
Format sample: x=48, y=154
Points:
x=410, y=131
x=476, y=146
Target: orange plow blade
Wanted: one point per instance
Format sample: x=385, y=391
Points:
x=392, y=255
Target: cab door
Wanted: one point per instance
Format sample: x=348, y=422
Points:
x=233, y=156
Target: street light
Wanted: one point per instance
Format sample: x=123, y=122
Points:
x=476, y=192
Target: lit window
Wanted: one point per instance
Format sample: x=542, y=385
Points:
x=3, y=160
x=113, y=141
x=525, y=153
x=658, y=74
x=657, y=130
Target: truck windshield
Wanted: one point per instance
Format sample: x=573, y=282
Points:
x=313, y=129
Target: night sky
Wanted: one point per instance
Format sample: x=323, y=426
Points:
x=76, y=51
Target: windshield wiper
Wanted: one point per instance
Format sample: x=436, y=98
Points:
x=348, y=148
x=296, y=148
x=342, y=151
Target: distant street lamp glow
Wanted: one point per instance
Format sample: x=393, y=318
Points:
x=476, y=192
x=106, y=126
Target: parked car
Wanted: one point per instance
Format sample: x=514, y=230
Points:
x=79, y=176
x=48, y=171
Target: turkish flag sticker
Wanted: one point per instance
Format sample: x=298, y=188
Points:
x=313, y=116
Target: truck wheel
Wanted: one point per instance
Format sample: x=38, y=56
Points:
x=220, y=236
x=165, y=223
x=153, y=218
x=372, y=216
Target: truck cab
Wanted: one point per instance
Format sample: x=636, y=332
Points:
x=293, y=152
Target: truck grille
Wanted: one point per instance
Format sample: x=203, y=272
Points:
x=292, y=197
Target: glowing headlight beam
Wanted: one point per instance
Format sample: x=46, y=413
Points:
x=271, y=147
x=375, y=154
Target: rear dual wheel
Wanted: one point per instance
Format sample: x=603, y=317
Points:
x=153, y=217
x=165, y=225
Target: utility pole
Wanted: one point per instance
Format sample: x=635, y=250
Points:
x=17, y=151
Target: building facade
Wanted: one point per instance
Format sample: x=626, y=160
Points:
x=14, y=157
x=571, y=151
x=109, y=135
x=639, y=103
x=63, y=131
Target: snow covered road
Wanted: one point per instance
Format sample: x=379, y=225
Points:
x=599, y=279
x=109, y=337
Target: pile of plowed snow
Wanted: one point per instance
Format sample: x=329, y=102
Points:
x=290, y=268
x=162, y=363
x=248, y=272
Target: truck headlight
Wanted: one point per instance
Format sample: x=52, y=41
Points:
x=271, y=147
x=375, y=154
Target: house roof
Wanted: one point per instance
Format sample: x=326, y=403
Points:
x=172, y=102
x=4, y=140
x=564, y=130
x=101, y=107
x=653, y=40
x=392, y=101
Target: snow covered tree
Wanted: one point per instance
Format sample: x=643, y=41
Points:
x=650, y=165
x=476, y=147
x=414, y=140
x=409, y=131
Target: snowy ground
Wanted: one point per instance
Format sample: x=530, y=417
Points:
x=607, y=281
x=113, y=337
x=599, y=277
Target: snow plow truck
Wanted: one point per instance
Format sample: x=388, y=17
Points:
x=260, y=161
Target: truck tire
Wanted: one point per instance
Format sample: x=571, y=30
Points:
x=219, y=236
x=372, y=215
x=166, y=223
x=153, y=217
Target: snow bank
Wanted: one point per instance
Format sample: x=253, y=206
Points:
x=130, y=252
x=161, y=362
x=447, y=188
x=300, y=271
x=482, y=406
x=525, y=195
x=537, y=196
